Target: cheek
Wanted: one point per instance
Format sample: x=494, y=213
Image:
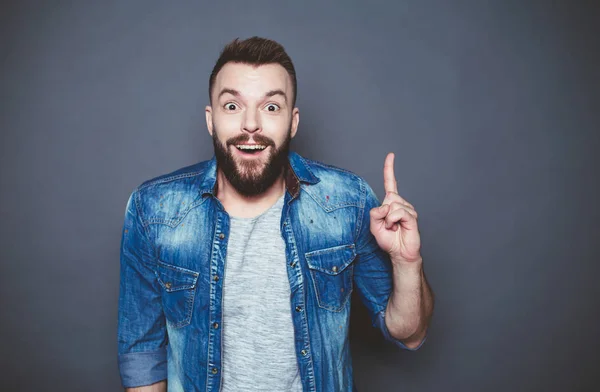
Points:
x=276, y=125
x=227, y=126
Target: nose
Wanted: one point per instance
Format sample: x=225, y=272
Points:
x=251, y=121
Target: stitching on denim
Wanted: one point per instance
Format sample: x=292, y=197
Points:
x=363, y=198
x=173, y=289
x=137, y=200
x=317, y=291
x=221, y=318
x=347, y=271
x=170, y=178
x=331, y=249
x=211, y=338
x=340, y=248
x=190, y=303
x=187, y=291
x=350, y=272
x=175, y=222
x=179, y=269
x=306, y=332
x=144, y=353
x=329, y=209
x=188, y=295
x=325, y=165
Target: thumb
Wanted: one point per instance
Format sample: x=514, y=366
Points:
x=380, y=212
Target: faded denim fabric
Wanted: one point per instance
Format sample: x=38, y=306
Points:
x=173, y=249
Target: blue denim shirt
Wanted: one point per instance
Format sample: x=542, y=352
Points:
x=173, y=250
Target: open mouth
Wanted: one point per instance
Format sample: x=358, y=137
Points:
x=249, y=150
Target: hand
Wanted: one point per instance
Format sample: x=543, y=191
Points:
x=394, y=223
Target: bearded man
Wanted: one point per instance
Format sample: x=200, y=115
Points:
x=236, y=272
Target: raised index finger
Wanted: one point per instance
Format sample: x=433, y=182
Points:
x=389, y=180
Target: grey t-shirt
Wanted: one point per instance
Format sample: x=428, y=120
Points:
x=258, y=333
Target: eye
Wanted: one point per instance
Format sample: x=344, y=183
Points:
x=230, y=106
x=272, y=107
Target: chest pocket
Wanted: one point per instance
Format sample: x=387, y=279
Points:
x=331, y=271
x=179, y=287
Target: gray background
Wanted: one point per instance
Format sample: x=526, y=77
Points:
x=492, y=109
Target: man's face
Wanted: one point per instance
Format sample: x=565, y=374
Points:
x=252, y=106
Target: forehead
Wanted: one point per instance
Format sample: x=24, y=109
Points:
x=251, y=80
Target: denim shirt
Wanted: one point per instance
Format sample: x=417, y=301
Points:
x=173, y=250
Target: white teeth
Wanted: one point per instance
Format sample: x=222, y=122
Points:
x=251, y=147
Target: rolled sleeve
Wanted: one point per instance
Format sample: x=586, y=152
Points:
x=380, y=323
x=144, y=368
x=142, y=334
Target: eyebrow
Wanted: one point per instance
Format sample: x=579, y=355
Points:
x=236, y=93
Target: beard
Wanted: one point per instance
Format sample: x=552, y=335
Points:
x=248, y=176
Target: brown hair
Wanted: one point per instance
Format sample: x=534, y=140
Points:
x=254, y=51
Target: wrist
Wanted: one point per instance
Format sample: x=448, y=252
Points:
x=408, y=264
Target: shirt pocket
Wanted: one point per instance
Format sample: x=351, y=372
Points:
x=179, y=288
x=331, y=271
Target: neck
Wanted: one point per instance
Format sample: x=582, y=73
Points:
x=243, y=206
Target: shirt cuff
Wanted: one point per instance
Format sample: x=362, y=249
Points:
x=143, y=368
x=380, y=323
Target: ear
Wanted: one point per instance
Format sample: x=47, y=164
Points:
x=295, y=121
x=209, y=122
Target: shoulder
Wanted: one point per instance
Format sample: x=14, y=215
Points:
x=168, y=195
x=176, y=177
x=321, y=168
x=337, y=187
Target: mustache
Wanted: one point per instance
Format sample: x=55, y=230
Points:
x=244, y=138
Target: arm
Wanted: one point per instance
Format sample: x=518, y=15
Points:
x=410, y=306
x=142, y=337
x=382, y=286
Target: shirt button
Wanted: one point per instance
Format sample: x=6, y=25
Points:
x=304, y=352
x=334, y=268
x=215, y=325
x=298, y=308
x=215, y=370
x=293, y=264
x=168, y=285
x=221, y=236
x=216, y=278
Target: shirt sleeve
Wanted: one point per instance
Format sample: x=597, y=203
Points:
x=142, y=338
x=373, y=268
